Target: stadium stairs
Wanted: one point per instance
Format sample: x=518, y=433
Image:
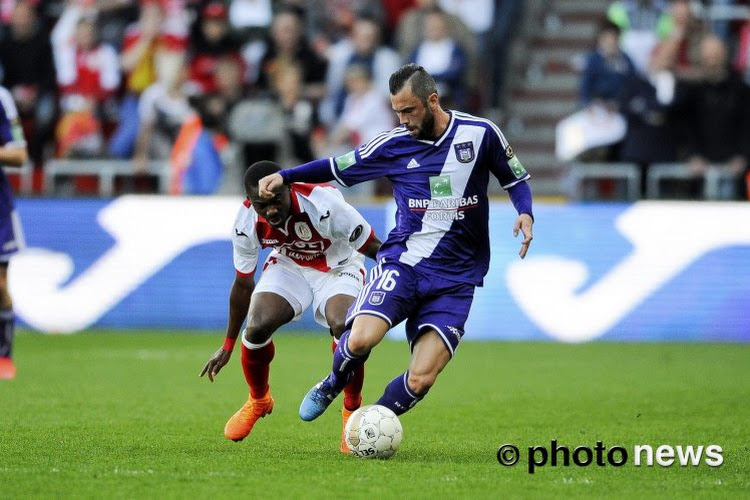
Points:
x=547, y=60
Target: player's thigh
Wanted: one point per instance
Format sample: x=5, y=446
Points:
x=11, y=241
x=334, y=292
x=367, y=332
x=286, y=280
x=444, y=311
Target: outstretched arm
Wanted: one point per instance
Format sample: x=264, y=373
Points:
x=239, y=303
x=315, y=172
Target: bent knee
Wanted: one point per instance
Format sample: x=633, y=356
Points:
x=338, y=327
x=259, y=331
x=420, y=383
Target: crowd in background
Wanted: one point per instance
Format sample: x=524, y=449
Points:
x=236, y=81
x=677, y=78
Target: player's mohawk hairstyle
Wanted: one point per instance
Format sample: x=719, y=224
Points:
x=422, y=83
x=257, y=171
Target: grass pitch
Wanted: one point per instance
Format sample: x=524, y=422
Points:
x=106, y=414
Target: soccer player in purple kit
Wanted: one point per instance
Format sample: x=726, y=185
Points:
x=439, y=162
x=13, y=153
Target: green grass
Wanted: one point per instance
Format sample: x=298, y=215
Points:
x=106, y=414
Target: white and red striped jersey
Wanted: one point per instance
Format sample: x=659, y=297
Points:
x=322, y=232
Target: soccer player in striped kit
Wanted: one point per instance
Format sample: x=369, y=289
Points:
x=439, y=162
x=319, y=245
x=13, y=153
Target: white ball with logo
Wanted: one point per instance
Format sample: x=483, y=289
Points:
x=373, y=431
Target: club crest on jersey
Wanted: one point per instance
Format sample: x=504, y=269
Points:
x=376, y=298
x=303, y=231
x=464, y=152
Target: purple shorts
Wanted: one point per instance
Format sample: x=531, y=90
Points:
x=396, y=292
x=11, y=236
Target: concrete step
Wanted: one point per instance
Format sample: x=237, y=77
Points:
x=569, y=81
x=549, y=107
x=579, y=6
x=571, y=30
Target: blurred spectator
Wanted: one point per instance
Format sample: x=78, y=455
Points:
x=250, y=18
x=642, y=23
x=143, y=40
x=114, y=18
x=32, y=85
x=410, y=29
x=394, y=11
x=444, y=59
x=329, y=21
x=288, y=45
x=507, y=15
x=162, y=109
x=211, y=40
x=646, y=102
x=299, y=113
x=363, y=47
x=716, y=114
x=606, y=69
x=88, y=77
x=479, y=17
x=366, y=113
x=680, y=49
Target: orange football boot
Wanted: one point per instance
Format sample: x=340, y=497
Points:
x=242, y=422
x=7, y=369
x=345, y=414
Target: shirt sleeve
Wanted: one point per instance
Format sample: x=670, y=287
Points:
x=245, y=249
x=344, y=222
x=502, y=160
x=367, y=162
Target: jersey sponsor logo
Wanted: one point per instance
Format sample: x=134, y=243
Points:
x=348, y=275
x=376, y=298
x=346, y=160
x=445, y=204
x=464, y=151
x=266, y=241
x=440, y=185
x=412, y=164
x=303, y=231
x=356, y=233
x=516, y=167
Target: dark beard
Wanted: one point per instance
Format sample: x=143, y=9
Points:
x=428, y=126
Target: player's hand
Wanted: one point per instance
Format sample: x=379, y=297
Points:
x=524, y=223
x=269, y=185
x=216, y=363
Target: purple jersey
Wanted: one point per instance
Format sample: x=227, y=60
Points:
x=10, y=135
x=440, y=188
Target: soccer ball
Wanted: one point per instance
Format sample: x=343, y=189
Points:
x=373, y=431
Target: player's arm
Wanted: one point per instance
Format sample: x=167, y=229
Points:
x=314, y=172
x=13, y=151
x=371, y=250
x=520, y=196
x=239, y=304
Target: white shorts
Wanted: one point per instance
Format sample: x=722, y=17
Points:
x=302, y=286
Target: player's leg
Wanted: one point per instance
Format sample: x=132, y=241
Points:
x=434, y=332
x=335, y=311
x=429, y=357
x=268, y=312
x=386, y=300
x=7, y=326
x=281, y=295
x=11, y=240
